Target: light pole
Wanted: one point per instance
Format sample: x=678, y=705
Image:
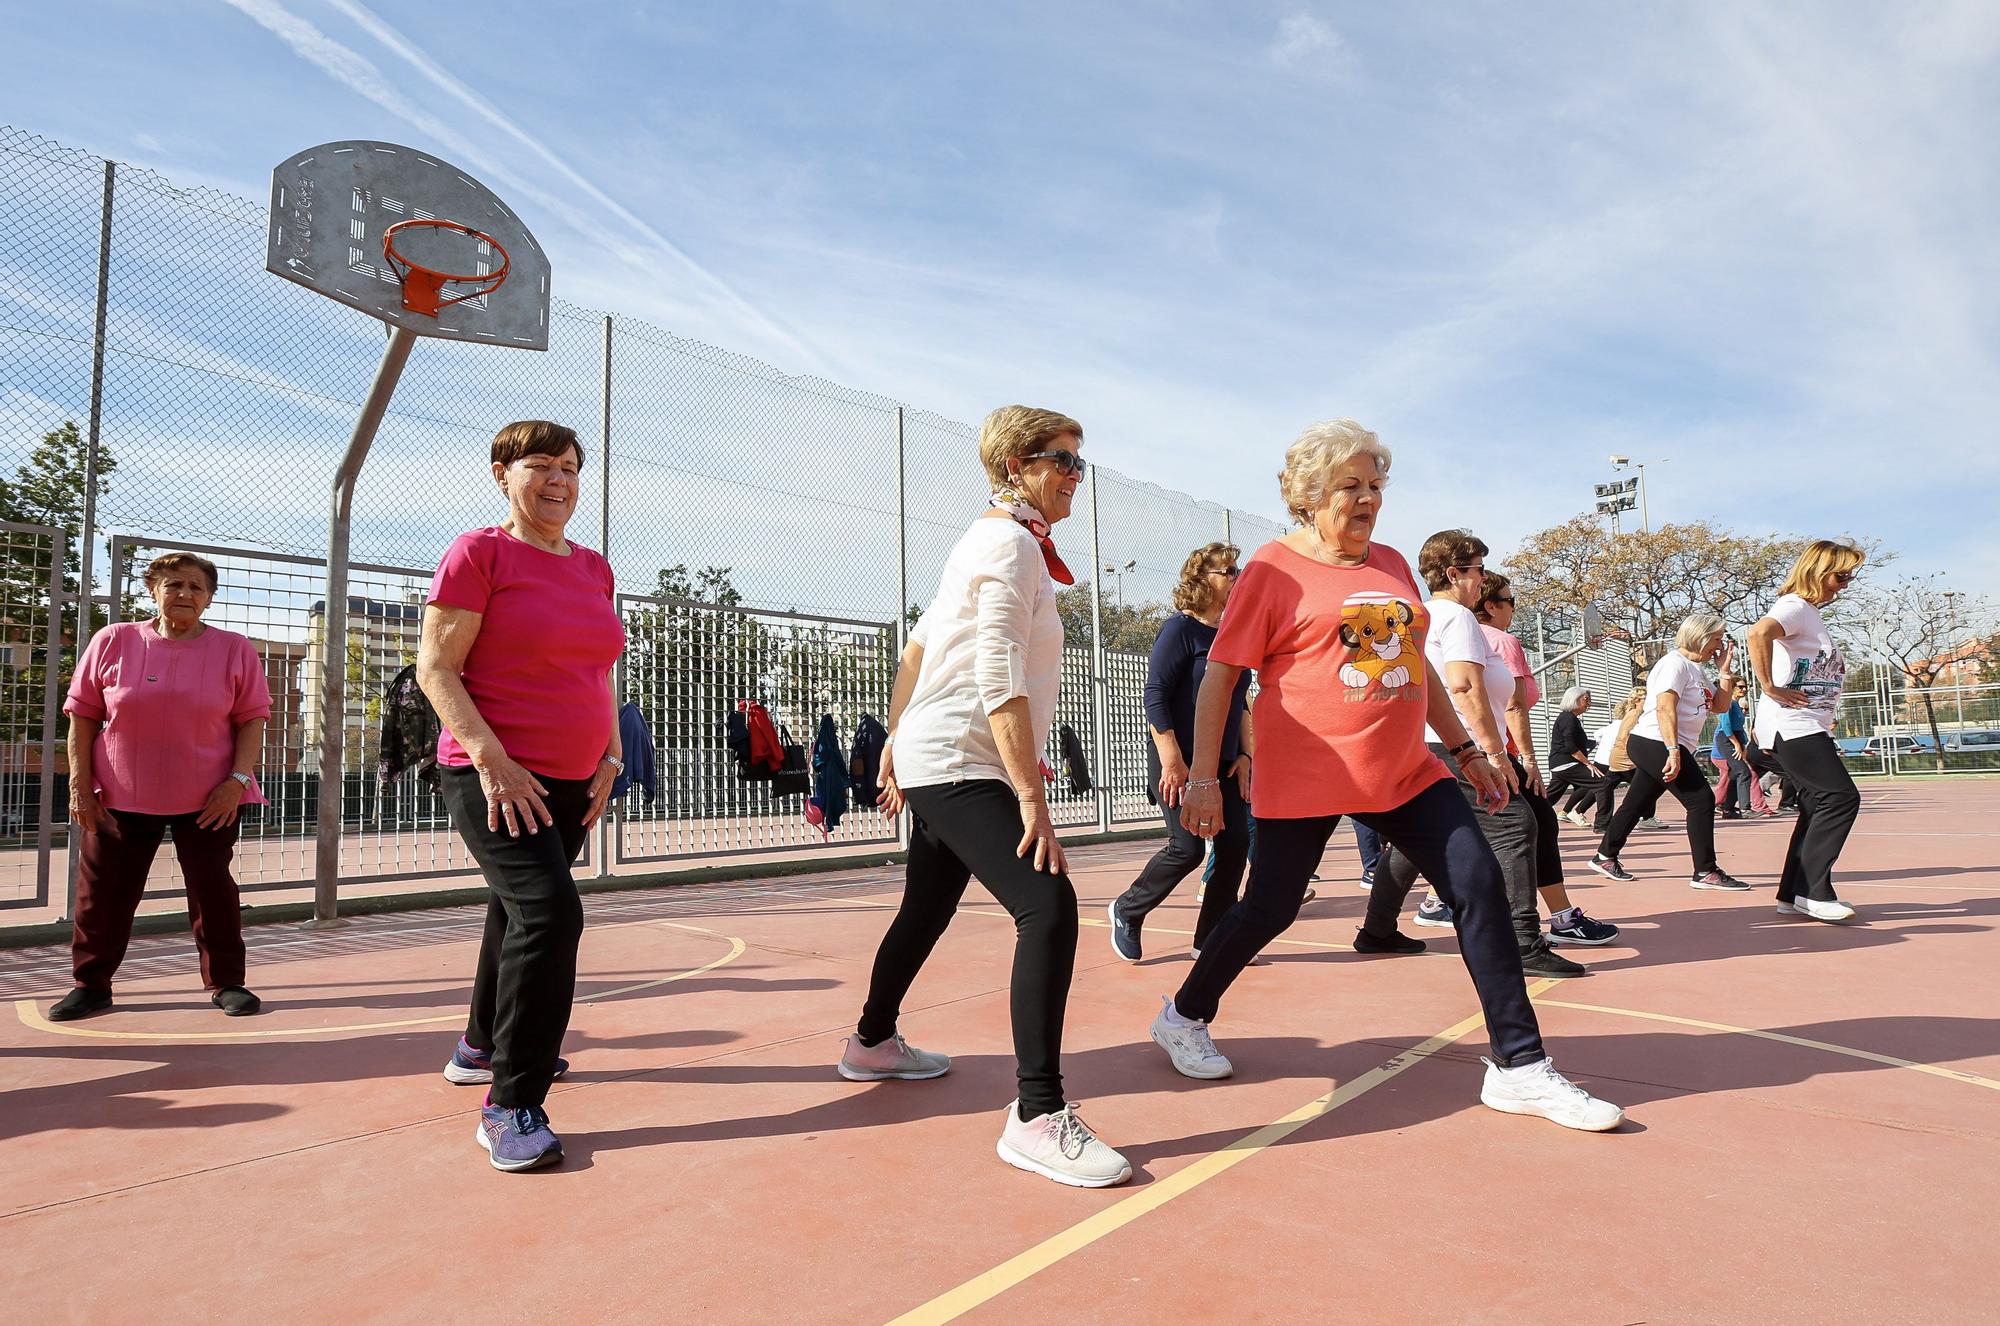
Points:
x=1118, y=572
x=1626, y=462
x=1950, y=597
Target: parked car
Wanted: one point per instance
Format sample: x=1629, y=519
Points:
x=1856, y=748
x=1974, y=739
x=1903, y=747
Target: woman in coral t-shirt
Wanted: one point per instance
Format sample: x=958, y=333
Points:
x=519, y=639
x=1334, y=625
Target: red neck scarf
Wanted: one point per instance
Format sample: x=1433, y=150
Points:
x=1010, y=501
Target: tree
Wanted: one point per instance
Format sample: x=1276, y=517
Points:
x=1913, y=625
x=1127, y=626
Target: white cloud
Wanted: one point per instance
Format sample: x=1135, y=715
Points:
x=1304, y=42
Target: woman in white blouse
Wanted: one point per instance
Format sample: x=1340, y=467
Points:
x=975, y=695
x=1801, y=671
x=1678, y=702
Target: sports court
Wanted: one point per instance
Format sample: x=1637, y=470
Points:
x=1813, y=1117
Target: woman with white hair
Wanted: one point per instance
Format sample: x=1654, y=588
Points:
x=970, y=712
x=1334, y=625
x=1663, y=748
x=1572, y=773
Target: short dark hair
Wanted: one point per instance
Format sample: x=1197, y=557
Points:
x=174, y=561
x=534, y=437
x=1442, y=551
x=1490, y=586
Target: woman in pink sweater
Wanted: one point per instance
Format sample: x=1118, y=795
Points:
x=166, y=718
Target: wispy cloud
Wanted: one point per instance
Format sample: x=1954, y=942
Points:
x=1305, y=42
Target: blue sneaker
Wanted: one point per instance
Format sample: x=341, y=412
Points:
x=1124, y=936
x=470, y=1067
x=518, y=1138
x=1433, y=913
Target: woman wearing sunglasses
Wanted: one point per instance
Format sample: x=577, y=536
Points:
x=1801, y=671
x=1173, y=679
x=974, y=698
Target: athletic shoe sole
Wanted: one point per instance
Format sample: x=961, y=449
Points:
x=1738, y=887
x=1187, y=1072
x=1019, y=1161
x=1111, y=910
x=479, y=1077
x=1436, y=922
x=548, y=1157
x=1522, y=1107
x=870, y=1075
x=1556, y=937
x=1604, y=868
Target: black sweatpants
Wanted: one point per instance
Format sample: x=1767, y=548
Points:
x=1690, y=788
x=1571, y=786
x=1436, y=830
x=1828, y=805
x=1515, y=838
x=526, y=979
x=962, y=830
x=1183, y=852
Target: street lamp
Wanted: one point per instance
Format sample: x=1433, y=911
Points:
x=1118, y=572
x=1950, y=597
x=1626, y=462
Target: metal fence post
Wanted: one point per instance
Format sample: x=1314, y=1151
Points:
x=605, y=822
x=1227, y=536
x=86, y=570
x=902, y=617
x=1100, y=681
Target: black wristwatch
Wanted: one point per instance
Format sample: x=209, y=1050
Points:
x=1462, y=747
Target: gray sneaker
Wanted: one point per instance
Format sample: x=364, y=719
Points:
x=893, y=1058
x=1188, y=1044
x=518, y=1138
x=1060, y=1146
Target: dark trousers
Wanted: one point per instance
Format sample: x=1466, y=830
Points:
x=1828, y=804
x=1183, y=852
x=1604, y=798
x=1514, y=835
x=962, y=830
x=1574, y=786
x=526, y=980
x=1788, y=790
x=1435, y=829
x=1736, y=788
x=1548, y=833
x=1369, y=844
x=1690, y=788
x=111, y=877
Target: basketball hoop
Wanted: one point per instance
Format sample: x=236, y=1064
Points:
x=424, y=286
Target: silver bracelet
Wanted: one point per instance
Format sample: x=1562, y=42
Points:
x=1204, y=782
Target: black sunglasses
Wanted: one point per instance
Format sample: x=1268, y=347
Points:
x=1231, y=571
x=1066, y=461
x=1509, y=600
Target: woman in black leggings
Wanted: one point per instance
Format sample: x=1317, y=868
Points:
x=974, y=699
x=1663, y=748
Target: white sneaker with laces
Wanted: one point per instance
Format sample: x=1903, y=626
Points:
x=1823, y=911
x=1188, y=1044
x=893, y=1058
x=1537, y=1088
x=1060, y=1146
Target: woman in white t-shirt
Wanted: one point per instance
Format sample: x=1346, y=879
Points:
x=969, y=716
x=1662, y=746
x=1801, y=671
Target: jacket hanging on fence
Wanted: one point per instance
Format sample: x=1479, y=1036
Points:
x=753, y=739
x=1074, y=763
x=641, y=765
x=829, y=779
x=410, y=730
x=864, y=765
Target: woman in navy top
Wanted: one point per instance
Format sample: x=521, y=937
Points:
x=1173, y=678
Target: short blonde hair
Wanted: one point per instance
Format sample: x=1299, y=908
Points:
x=1192, y=592
x=1822, y=558
x=1014, y=431
x=1699, y=627
x=1311, y=460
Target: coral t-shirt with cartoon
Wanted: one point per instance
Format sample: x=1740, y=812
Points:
x=1339, y=657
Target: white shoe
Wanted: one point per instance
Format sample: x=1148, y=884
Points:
x=1188, y=1044
x=1823, y=911
x=1538, y=1088
x=1651, y=823
x=1788, y=909
x=1061, y=1147
x=1578, y=818
x=893, y=1058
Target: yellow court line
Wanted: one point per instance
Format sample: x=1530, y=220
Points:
x=955, y=1303
x=1954, y=1074
x=31, y=1015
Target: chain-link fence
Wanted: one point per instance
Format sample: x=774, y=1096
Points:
x=145, y=348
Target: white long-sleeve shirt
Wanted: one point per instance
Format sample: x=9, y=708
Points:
x=991, y=635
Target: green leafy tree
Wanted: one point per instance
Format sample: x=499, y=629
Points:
x=1127, y=626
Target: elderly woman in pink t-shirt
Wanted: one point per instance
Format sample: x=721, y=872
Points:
x=519, y=640
x=166, y=718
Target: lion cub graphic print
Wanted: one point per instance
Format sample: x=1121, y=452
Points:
x=1383, y=653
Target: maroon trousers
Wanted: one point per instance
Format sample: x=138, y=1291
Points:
x=111, y=876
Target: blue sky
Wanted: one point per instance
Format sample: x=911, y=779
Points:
x=1751, y=244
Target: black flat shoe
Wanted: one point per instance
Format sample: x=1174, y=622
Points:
x=81, y=1002
x=236, y=1001
x=1395, y=943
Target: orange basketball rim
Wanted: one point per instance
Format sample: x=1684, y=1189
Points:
x=423, y=287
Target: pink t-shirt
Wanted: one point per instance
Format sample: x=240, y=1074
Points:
x=1516, y=658
x=548, y=636
x=170, y=710
x=1339, y=657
